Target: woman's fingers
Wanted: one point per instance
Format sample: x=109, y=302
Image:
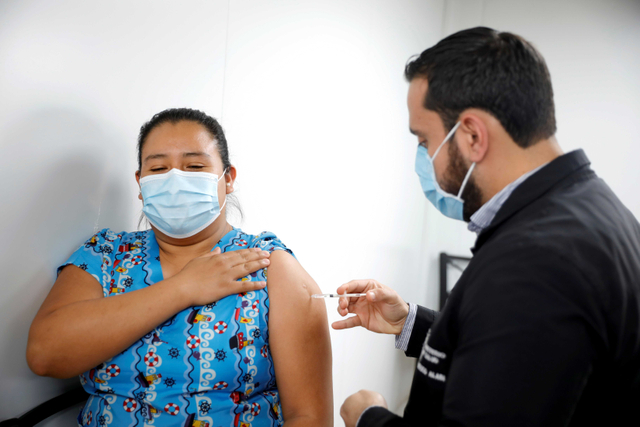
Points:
x=242, y=262
x=238, y=287
x=244, y=256
x=215, y=275
x=247, y=268
x=247, y=285
x=238, y=257
x=216, y=251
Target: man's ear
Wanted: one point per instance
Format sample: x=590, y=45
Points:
x=472, y=137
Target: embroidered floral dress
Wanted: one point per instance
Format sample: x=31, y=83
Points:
x=206, y=366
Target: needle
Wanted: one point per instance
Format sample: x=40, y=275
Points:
x=337, y=295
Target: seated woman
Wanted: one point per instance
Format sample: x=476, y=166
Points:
x=157, y=324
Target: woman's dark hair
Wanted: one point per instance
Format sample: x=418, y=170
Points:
x=500, y=73
x=175, y=115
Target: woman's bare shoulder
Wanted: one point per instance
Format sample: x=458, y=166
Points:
x=287, y=279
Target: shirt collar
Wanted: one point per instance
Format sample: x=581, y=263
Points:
x=483, y=216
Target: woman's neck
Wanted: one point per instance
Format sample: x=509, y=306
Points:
x=178, y=252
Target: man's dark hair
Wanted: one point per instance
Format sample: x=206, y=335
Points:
x=500, y=73
x=175, y=115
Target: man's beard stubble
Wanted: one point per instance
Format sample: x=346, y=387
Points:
x=454, y=176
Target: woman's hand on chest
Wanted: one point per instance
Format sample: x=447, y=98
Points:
x=213, y=276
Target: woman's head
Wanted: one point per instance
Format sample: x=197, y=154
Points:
x=185, y=140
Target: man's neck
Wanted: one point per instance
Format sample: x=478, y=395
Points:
x=513, y=163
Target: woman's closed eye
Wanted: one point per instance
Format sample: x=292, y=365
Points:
x=156, y=169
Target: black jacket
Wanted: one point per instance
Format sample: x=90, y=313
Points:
x=542, y=329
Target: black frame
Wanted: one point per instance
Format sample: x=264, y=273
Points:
x=48, y=408
x=447, y=260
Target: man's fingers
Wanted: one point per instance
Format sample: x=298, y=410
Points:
x=350, y=322
x=383, y=295
x=357, y=286
x=349, y=304
x=342, y=311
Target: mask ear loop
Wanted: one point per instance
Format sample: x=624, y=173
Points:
x=446, y=138
x=224, y=172
x=466, y=178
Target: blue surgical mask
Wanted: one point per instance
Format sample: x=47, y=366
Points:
x=181, y=204
x=446, y=203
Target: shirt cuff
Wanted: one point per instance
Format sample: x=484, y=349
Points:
x=360, y=417
x=402, y=340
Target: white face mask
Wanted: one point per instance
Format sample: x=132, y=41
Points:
x=181, y=204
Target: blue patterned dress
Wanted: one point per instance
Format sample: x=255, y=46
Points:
x=206, y=366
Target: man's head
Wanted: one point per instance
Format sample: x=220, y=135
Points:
x=498, y=86
x=500, y=73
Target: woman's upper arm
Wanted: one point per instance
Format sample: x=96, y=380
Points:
x=72, y=285
x=299, y=342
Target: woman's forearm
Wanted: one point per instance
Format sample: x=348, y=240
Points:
x=77, y=328
x=81, y=335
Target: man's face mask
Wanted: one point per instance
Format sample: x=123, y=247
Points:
x=446, y=203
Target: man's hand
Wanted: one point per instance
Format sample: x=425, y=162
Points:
x=355, y=405
x=382, y=310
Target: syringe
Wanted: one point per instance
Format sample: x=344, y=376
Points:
x=337, y=295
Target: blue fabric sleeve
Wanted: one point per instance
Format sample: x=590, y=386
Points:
x=95, y=256
x=269, y=242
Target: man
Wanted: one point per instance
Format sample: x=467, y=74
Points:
x=542, y=329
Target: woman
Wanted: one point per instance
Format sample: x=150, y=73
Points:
x=157, y=324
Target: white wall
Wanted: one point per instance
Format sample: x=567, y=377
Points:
x=313, y=100
x=77, y=80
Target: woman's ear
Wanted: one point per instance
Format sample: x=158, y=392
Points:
x=138, y=181
x=230, y=179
